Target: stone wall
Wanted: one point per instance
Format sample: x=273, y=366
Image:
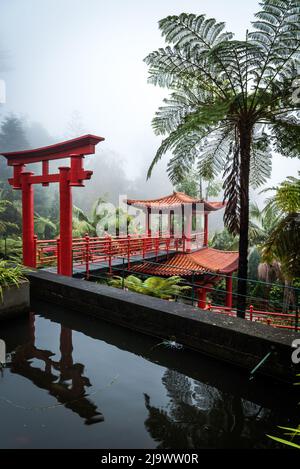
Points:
x=231, y=340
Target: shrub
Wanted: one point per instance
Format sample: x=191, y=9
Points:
x=11, y=275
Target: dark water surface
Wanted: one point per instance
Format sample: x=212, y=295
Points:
x=74, y=382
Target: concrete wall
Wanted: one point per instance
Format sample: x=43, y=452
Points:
x=232, y=340
x=15, y=302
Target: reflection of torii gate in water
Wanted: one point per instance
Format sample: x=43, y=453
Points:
x=71, y=396
x=67, y=177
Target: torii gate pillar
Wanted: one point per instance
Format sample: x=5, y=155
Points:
x=65, y=266
x=74, y=175
x=28, y=220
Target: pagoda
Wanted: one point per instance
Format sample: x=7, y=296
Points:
x=204, y=265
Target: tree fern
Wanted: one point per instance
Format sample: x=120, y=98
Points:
x=230, y=104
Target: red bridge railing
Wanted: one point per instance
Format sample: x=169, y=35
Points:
x=278, y=320
x=93, y=250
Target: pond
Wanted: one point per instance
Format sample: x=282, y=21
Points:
x=75, y=382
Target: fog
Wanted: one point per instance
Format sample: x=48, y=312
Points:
x=76, y=66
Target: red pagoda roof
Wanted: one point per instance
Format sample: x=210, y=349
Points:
x=200, y=262
x=176, y=200
x=84, y=145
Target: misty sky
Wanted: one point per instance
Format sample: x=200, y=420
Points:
x=87, y=56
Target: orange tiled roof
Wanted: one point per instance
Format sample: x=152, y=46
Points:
x=203, y=261
x=213, y=206
x=175, y=200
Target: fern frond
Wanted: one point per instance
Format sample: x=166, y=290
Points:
x=232, y=190
x=261, y=159
x=191, y=31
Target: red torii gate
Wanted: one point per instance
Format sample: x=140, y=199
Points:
x=68, y=177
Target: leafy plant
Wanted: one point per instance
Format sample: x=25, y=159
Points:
x=81, y=223
x=165, y=289
x=9, y=218
x=11, y=275
x=193, y=184
x=282, y=244
x=44, y=227
x=224, y=241
x=11, y=248
x=295, y=432
x=231, y=104
x=292, y=432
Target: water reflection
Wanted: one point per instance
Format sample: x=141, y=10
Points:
x=63, y=379
x=201, y=416
x=162, y=398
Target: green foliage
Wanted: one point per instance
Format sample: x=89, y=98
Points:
x=9, y=218
x=153, y=286
x=112, y=221
x=282, y=243
x=287, y=138
x=213, y=189
x=254, y=261
x=10, y=275
x=10, y=227
x=224, y=241
x=11, y=248
x=12, y=134
x=81, y=224
x=287, y=198
x=286, y=442
x=262, y=223
x=44, y=227
x=189, y=185
x=12, y=138
x=193, y=184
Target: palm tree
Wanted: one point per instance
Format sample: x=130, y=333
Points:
x=192, y=185
x=81, y=223
x=262, y=223
x=231, y=104
x=224, y=241
x=280, y=250
x=164, y=288
x=44, y=227
x=283, y=242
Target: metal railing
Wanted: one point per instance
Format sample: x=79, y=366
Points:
x=272, y=315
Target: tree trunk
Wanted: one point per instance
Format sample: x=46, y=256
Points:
x=200, y=189
x=288, y=296
x=245, y=136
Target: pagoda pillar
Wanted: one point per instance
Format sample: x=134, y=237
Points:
x=160, y=224
x=229, y=291
x=171, y=224
x=205, y=243
x=148, y=222
x=202, y=297
x=188, y=230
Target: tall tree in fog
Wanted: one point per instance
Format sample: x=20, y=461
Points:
x=12, y=138
x=231, y=104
